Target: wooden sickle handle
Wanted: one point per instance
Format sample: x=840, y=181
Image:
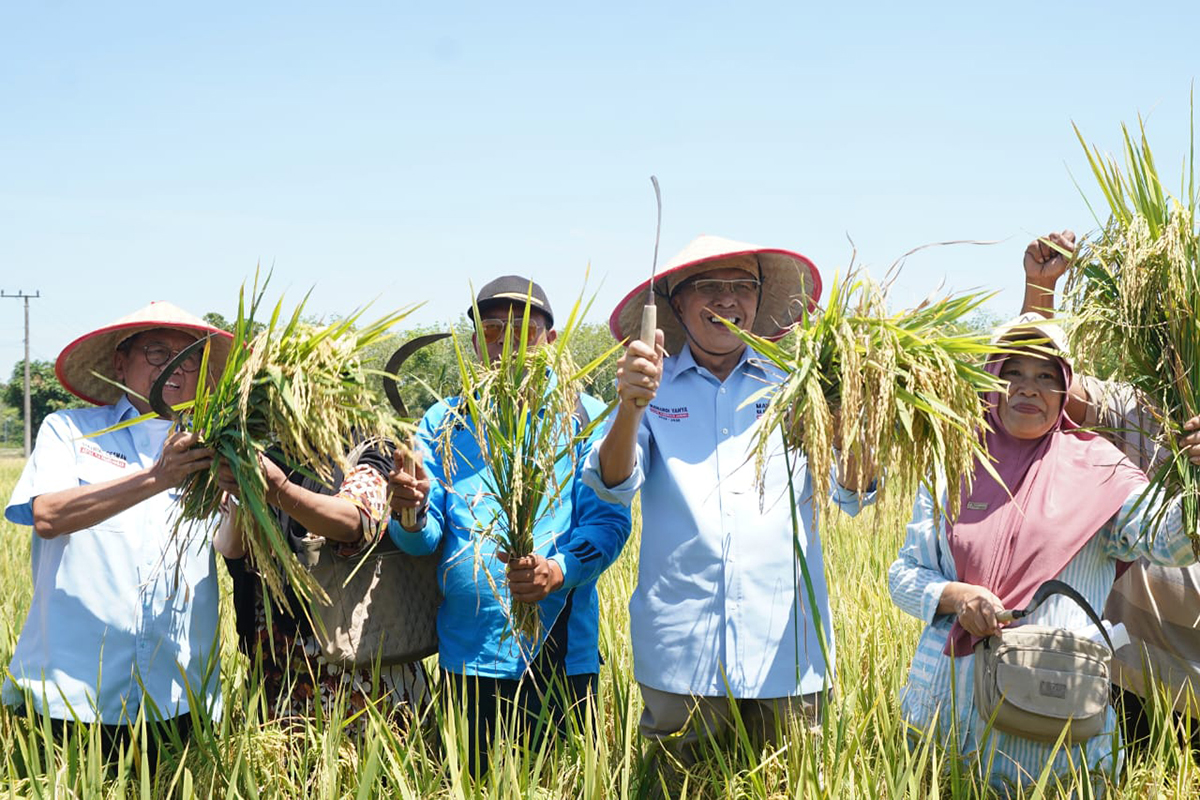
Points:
x=649, y=326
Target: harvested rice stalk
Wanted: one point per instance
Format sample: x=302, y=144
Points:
x=1134, y=294
x=296, y=388
x=520, y=410
x=907, y=389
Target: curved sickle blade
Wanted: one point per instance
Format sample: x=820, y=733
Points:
x=398, y=358
x=1047, y=590
x=160, y=406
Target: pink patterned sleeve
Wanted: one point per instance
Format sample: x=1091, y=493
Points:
x=367, y=490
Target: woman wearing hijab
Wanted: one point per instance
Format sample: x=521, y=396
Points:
x=1073, y=514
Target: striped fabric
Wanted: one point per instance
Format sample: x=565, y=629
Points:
x=1160, y=606
x=939, y=693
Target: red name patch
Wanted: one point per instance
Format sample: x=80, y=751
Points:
x=93, y=450
x=674, y=414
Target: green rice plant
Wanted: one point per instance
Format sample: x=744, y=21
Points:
x=294, y=388
x=1134, y=293
x=902, y=390
x=520, y=409
x=864, y=749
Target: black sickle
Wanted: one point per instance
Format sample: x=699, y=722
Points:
x=399, y=357
x=160, y=406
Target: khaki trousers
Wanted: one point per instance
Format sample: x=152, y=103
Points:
x=678, y=721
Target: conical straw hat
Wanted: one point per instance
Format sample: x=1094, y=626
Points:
x=790, y=284
x=93, y=352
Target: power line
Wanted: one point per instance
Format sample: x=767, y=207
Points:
x=28, y=416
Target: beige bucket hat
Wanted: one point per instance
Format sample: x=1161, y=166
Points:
x=790, y=285
x=93, y=352
x=1034, y=325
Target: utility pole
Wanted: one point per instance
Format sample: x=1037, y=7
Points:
x=28, y=421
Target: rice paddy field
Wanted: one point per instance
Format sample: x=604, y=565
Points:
x=861, y=752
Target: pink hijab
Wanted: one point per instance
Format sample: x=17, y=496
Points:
x=1065, y=486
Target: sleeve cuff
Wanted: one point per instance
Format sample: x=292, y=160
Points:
x=560, y=559
x=623, y=492
x=851, y=501
x=415, y=543
x=931, y=596
x=20, y=513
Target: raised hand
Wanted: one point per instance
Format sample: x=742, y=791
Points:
x=639, y=371
x=408, y=482
x=1047, y=258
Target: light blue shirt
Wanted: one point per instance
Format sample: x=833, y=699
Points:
x=721, y=607
x=939, y=695
x=123, y=606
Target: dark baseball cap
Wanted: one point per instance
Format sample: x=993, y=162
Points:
x=513, y=289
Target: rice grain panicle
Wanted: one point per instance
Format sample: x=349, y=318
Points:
x=903, y=389
x=521, y=412
x=300, y=390
x=1133, y=294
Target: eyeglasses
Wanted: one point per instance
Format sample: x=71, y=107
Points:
x=495, y=329
x=159, y=354
x=715, y=287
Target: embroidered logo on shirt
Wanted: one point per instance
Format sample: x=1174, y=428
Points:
x=673, y=414
x=760, y=408
x=107, y=456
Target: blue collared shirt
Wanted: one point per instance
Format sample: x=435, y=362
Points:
x=579, y=531
x=720, y=605
x=119, y=608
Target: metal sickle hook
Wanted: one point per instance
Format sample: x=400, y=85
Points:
x=398, y=358
x=160, y=406
x=657, y=233
x=408, y=516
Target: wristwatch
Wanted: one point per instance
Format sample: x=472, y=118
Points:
x=420, y=523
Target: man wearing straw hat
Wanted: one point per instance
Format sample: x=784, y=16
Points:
x=581, y=536
x=123, y=618
x=719, y=617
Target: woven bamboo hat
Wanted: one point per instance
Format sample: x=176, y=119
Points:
x=93, y=352
x=790, y=284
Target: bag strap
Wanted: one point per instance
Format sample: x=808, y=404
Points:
x=1053, y=587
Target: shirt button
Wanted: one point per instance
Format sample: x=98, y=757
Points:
x=722, y=390
x=725, y=431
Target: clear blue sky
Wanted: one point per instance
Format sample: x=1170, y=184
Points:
x=398, y=151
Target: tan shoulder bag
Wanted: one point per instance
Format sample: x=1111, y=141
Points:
x=1034, y=681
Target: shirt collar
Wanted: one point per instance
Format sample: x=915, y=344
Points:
x=751, y=361
x=125, y=410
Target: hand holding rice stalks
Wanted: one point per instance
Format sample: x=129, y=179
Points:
x=297, y=388
x=520, y=409
x=1134, y=297
x=907, y=389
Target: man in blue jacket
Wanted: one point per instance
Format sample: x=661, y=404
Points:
x=581, y=535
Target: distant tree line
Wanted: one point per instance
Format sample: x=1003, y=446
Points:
x=46, y=395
